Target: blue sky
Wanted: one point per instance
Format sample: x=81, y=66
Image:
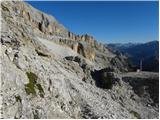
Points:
x=106, y=21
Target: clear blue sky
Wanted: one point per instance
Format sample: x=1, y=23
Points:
x=107, y=22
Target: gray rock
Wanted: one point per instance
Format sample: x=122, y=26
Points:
x=38, y=81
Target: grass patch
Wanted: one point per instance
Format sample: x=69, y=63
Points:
x=30, y=87
x=32, y=77
x=137, y=115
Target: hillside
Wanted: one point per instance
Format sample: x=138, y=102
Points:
x=147, y=52
x=50, y=72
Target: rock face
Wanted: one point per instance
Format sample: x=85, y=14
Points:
x=48, y=72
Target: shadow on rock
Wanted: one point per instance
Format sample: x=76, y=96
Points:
x=145, y=88
x=104, y=78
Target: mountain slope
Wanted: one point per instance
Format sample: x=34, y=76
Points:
x=49, y=72
x=147, y=52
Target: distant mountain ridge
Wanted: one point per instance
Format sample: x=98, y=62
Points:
x=147, y=52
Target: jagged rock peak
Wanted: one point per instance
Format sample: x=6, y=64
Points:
x=45, y=23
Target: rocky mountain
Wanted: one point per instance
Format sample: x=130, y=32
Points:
x=148, y=53
x=50, y=72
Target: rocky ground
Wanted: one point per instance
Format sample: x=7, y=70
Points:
x=47, y=73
